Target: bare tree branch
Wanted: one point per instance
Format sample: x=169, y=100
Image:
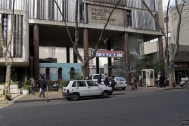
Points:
x=153, y=17
x=166, y=36
x=75, y=45
x=96, y=46
x=178, y=29
x=64, y=21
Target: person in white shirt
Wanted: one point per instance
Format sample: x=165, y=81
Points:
x=55, y=85
x=159, y=75
x=140, y=80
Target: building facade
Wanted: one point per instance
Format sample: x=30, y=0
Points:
x=48, y=42
x=182, y=60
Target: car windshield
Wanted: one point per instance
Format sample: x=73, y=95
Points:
x=95, y=76
x=91, y=83
x=120, y=79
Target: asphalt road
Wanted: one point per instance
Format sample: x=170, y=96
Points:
x=163, y=108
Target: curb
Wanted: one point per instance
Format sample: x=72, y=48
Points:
x=117, y=93
x=173, y=88
x=35, y=100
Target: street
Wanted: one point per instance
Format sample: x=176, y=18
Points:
x=162, y=108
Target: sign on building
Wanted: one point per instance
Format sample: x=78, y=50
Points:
x=107, y=53
x=99, y=15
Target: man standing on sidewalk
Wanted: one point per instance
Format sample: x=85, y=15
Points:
x=140, y=80
x=42, y=87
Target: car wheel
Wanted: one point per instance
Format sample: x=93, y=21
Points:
x=105, y=94
x=74, y=97
x=123, y=88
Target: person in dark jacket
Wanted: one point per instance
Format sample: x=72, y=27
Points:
x=106, y=81
x=113, y=83
x=42, y=87
x=99, y=79
x=162, y=79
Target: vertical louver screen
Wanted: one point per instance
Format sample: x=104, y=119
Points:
x=15, y=48
x=153, y=4
x=43, y=9
x=143, y=20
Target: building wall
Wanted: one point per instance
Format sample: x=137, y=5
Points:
x=65, y=70
x=19, y=47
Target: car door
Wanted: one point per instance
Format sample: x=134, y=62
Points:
x=81, y=88
x=93, y=88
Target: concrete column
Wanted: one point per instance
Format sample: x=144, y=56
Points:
x=97, y=65
x=31, y=67
x=160, y=47
x=67, y=54
x=125, y=19
x=127, y=62
x=109, y=60
x=36, y=49
x=85, y=47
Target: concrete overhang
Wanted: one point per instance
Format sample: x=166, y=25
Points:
x=54, y=33
x=16, y=64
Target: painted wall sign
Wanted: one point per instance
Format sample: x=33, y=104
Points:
x=99, y=15
x=108, y=53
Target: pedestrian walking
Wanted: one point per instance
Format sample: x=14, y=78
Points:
x=32, y=85
x=106, y=82
x=42, y=87
x=99, y=79
x=133, y=83
x=113, y=83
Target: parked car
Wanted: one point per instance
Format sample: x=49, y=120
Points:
x=121, y=82
x=94, y=78
x=83, y=88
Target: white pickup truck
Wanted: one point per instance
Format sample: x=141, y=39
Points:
x=94, y=78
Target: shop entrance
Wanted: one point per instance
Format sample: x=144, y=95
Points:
x=177, y=77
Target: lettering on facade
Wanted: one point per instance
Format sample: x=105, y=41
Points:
x=99, y=15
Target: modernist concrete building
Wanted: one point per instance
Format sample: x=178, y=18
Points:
x=151, y=48
x=45, y=45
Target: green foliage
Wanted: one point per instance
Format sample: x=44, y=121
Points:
x=14, y=82
x=145, y=63
x=62, y=83
x=26, y=85
x=158, y=65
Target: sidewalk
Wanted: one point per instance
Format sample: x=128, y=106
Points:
x=55, y=95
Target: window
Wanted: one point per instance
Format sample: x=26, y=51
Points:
x=74, y=84
x=95, y=76
x=129, y=18
x=120, y=79
x=81, y=84
x=91, y=83
x=151, y=74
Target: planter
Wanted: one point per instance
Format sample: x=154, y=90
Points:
x=25, y=91
x=60, y=90
x=14, y=89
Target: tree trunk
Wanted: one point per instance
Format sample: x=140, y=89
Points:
x=171, y=76
x=7, y=81
x=84, y=72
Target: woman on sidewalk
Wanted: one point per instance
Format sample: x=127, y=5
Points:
x=133, y=82
x=32, y=85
